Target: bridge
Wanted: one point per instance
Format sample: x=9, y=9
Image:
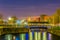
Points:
x=12, y=29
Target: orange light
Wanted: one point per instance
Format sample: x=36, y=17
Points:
x=46, y=17
x=29, y=19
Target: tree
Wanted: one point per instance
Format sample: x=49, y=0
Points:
x=1, y=18
x=56, y=17
x=58, y=13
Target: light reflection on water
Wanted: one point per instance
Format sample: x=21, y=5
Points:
x=48, y=36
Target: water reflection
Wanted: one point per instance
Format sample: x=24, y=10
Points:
x=49, y=36
x=17, y=37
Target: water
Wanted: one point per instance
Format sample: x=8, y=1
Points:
x=49, y=36
x=43, y=36
x=27, y=36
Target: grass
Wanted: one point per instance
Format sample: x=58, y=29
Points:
x=56, y=28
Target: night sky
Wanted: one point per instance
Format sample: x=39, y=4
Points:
x=24, y=8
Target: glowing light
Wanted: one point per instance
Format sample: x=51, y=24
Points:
x=29, y=19
x=9, y=18
x=30, y=36
x=14, y=37
x=18, y=22
x=22, y=36
x=44, y=36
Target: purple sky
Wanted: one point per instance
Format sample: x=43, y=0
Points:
x=23, y=8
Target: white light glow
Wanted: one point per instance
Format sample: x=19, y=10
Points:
x=9, y=18
x=18, y=22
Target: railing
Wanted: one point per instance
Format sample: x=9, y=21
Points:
x=11, y=26
x=29, y=25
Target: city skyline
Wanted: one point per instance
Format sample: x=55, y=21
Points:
x=24, y=8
